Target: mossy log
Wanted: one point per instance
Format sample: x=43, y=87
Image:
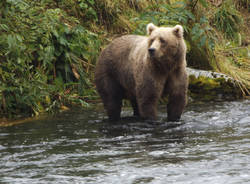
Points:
x=209, y=85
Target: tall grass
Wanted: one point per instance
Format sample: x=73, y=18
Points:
x=227, y=19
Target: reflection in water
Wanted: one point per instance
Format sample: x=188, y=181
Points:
x=211, y=144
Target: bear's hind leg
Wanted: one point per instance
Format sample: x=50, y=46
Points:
x=112, y=94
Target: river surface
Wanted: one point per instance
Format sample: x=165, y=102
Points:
x=211, y=144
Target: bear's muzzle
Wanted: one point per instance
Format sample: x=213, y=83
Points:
x=151, y=51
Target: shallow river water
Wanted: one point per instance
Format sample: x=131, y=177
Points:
x=211, y=144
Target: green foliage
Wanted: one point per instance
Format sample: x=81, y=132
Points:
x=227, y=19
x=86, y=6
x=202, y=34
x=108, y=14
x=44, y=58
x=197, y=28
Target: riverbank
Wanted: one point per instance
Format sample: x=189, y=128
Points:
x=204, y=86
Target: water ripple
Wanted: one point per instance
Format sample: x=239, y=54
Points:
x=211, y=144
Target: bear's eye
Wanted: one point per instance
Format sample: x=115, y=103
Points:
x=162, y=41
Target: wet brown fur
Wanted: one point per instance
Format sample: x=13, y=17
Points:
x=126, y=70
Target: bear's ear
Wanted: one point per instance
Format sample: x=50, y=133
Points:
x=150, y=28
x=178, y=31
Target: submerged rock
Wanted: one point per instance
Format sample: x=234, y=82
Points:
x=209, y=85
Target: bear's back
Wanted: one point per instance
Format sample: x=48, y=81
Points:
x=117, y=60
x=125, y=46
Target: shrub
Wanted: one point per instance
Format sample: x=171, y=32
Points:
x=45, y=56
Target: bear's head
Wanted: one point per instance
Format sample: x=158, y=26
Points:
x=166, y=44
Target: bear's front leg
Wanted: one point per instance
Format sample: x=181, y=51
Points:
x=147, y=98
x=177, y=89
x=112, y=94
x=135, y=107
x=175, y=106
x=148, y=109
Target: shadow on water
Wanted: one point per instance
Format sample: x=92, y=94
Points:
x=211, y=144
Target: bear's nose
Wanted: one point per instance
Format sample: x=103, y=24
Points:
x=151, y=51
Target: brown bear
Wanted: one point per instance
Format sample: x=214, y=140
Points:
x=143, y=69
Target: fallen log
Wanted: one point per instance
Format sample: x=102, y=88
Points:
x=209, y=85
